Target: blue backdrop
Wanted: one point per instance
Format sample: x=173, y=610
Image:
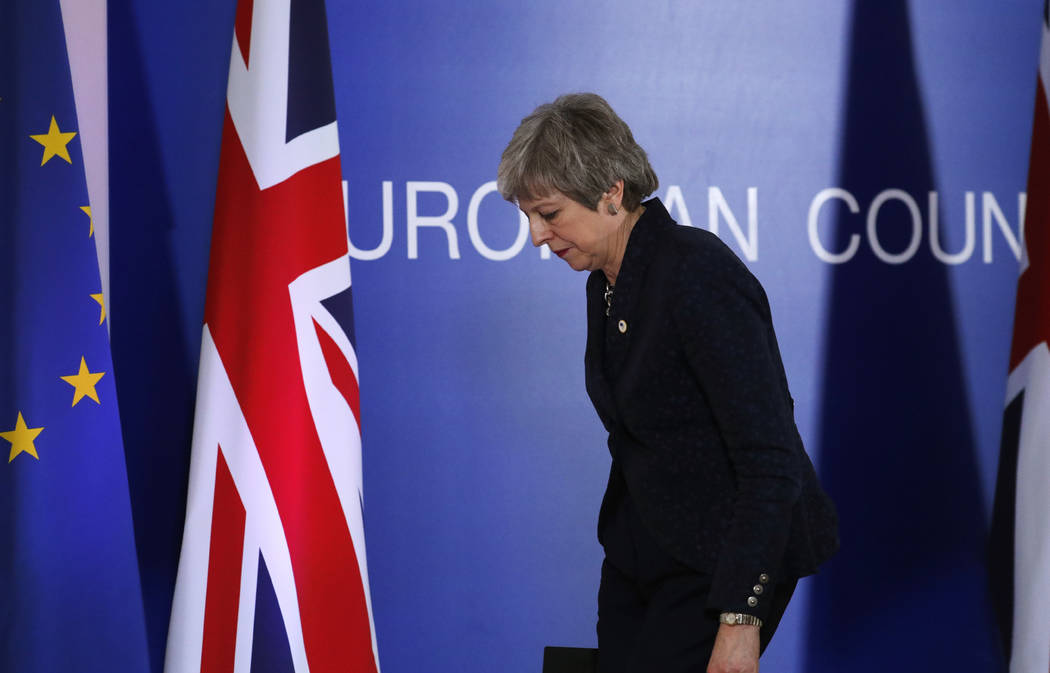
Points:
x=867, y=159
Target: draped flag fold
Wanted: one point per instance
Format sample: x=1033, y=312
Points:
x=272, y=573
x=1020, y=543
x=70, y=596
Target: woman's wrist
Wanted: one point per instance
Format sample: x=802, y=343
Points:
x=739, y=618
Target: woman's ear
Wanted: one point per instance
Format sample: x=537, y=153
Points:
x=614, y=196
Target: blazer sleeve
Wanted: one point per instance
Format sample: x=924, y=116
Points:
x=723, y=320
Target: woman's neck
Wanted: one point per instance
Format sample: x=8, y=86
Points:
x=618, y=240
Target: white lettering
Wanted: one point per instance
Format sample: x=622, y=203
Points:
x=935, y=236
x=716, y=204
x=719, y=213
x=916, y=226
x=388, y=224
x=822, y=253
x=415, y=220
x=990, y=209
x=475, y=234
x=674, y=200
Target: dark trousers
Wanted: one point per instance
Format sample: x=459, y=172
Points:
x=652, y=614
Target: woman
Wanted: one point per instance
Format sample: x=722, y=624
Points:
x=713, y=510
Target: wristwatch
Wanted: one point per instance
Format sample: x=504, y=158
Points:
x=734, y=618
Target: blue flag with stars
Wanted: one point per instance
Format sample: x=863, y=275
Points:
x=70, y=597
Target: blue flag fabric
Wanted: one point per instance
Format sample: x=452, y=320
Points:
x=70, y=597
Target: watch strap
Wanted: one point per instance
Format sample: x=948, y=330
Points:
x=734, y=618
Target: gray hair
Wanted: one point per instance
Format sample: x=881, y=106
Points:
x=578, y=146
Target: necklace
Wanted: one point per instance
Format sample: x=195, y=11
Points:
x=609, y=289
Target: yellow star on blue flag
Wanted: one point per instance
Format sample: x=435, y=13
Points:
x=83, y=382
x=91, y=220
x=97, y=296
x=21, y=438
x=54, y=142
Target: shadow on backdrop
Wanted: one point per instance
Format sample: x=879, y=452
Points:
x=908, y=590
x=9, y=62
x=155, y=373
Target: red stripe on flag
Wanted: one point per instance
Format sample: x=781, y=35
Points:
x=261, y=242
x=1032, y=312
x=242, y=27
x=224, y=574
x=342, y=374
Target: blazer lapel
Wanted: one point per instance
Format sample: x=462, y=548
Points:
x=594, y=359
x=623, y=320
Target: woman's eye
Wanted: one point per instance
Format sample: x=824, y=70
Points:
x=549, y=216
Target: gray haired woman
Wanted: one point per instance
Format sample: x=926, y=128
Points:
x=713, y=510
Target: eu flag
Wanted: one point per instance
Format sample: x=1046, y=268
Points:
x=70, y=598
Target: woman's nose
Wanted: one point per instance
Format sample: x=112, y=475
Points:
x=541, y=233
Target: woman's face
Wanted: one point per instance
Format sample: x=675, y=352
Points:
x=577, y=234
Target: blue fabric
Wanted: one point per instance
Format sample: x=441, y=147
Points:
x=311, y=96
x=70, y=598
x=270, y=650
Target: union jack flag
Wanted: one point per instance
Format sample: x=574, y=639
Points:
x=1020, y=539
x=272, y=573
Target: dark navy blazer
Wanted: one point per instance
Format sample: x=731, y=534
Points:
x=686, y=376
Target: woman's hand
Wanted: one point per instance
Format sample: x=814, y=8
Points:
x=736, y=650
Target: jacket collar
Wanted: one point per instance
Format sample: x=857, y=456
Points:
x=603, y=351
x=640, y=247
